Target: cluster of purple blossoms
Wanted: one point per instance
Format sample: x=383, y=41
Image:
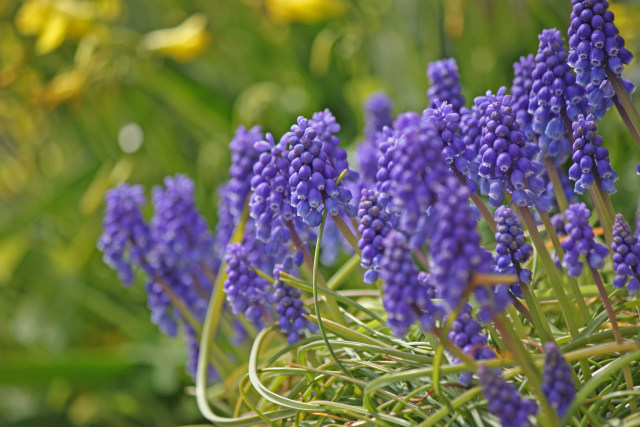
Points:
x=520, y=90
x=455, y=248
x=454, y=152
x=312, y=178
x=511, y=247
x=387, y=141
x=373, y=227
x=444, y=83
x=506, y=156
x=590, y=158
x=626, y=256
x=406, y=299
x=594, y=47
x=466, y=334
x=504, y=401
x=579, y=241
x=557, y=384
x=554, y=93
x=243, y=157
x=125, y=240
x=326, y=127
x=377, y=110
x=289, y=308
x=247, y=293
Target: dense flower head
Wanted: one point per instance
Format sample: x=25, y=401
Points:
x=557, y=384
x=504, y=401
x=312, y=178
x=289, y=308
x=595, y=45
x=416, y=165
x=377, y=109
x=247, y=293
x=270, y=186
x=506, y=157
x=387, y=142
x=520, y=90
x=511, y=247
x=406, y=298
x=554, y=93
x=125, y=239
x=446, y=120
x=466, y=334
x=373, y=227
x=626, y=256
x=579, y=241
x=454, y=244
x=590, y=158
x=243, y=157
x=327, y=127
x=444, y=83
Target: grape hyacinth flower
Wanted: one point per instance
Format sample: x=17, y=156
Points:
x=312, y=178
x=387, y=141
x=270, y=186
x=557, y=384
x=326, y=127
x=595, y=45
x=406, y=299
x=553, y=95
x=444, y=83
x=590, y=158
x=504, y=401
x=125, y=240
x=579, y=241
x=373, y=227
x=455, y=250
x=466, y=334
x=520, y=90
x=511, y=247
x=377, y=110
x=247, y=293
x=289, y=308
x=626, y=256
x=507, y=156
x=225, y=225
x=455, y=153
x=243, y=157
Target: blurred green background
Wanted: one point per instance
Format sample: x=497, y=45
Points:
x=97, y=92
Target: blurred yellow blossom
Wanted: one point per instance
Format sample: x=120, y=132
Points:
x=63, y=87
x=309, y=11
x=627, y=16
x=182, y=43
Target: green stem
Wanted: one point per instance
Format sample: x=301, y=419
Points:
x=561, y=198
x=601, y=211
x=346, y=232
x=624, y=97
x=537, y=315
x=606, y=198
x=482, y=207
x=614, y=326
x=521, y=308
x=627, y=121
x=552, y=271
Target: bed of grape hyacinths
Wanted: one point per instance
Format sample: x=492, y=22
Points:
x=446, y=307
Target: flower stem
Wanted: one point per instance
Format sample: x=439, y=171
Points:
x=623, y=96
x=614, y=326
x=606, y=198
x=552, y=271
x=601, y=211
x=346, y=232
x=561, y=198
x=482, y=207
x=521, y=308
x=627, y=121
x=541, y=326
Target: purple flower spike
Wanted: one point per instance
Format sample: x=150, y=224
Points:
x=595, y=46
x=466, y=334
x=373, y=227
x=554, y=93
x=247, y=293
x=243, y=157
x=590, y=158
x=557, y=385
x=579, y=241
x=520, y=90
x=377, y=110
x=125, y=240
x=626, y=256
x=445, y=83
x=326, y=128
x=290, y=308
x=511, y=248
x=407, y=299
x=504, y=401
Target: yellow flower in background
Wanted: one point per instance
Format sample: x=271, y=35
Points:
x=64, y=87
x=309, y=11
x=54, y=21
x=182, y=43
x=627, y=16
